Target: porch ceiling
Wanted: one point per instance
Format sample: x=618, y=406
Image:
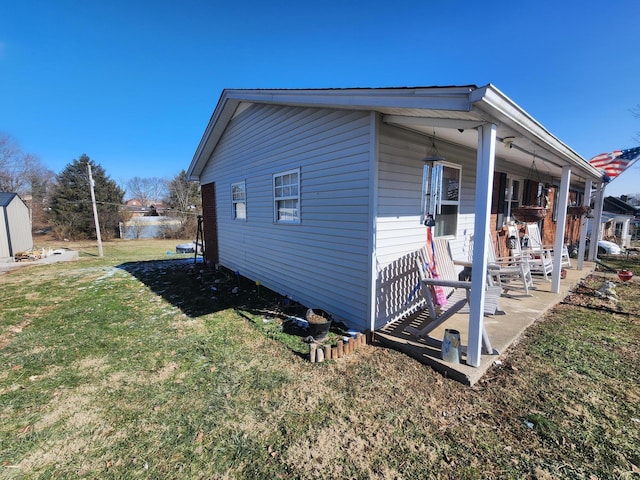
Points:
x=459, y=128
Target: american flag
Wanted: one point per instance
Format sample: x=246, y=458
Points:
x=616, y=162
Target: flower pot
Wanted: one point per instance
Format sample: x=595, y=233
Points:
x=625, y=275
x=578, y=211
x=319, y=323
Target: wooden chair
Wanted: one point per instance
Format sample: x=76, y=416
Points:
x=537, y=248
x=511, y=272
x=457, y=292
x=538, y=263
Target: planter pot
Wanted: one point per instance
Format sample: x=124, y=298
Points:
x=318, y=329
x=578, y=211
x=529, y=214
x=625, y=275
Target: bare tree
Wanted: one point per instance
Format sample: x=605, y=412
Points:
x=14, y=165
x=24, y=173
x=148, y=191
x=185, y=203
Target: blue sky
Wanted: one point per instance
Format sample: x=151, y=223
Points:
x=133, y=84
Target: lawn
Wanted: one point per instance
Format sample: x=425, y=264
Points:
x=141, y=364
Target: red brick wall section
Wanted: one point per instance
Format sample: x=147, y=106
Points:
x=209, y=223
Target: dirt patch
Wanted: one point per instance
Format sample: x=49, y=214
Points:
x=12, y=331
x=596, y=293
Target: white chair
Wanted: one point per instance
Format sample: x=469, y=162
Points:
x=456, y=292
x=511, y=272
x=538, y=263
x=537, y=248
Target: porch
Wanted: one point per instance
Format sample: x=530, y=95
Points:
x=503, y=329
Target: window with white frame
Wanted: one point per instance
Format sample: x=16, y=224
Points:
x=286, y=197
x=512, y=196
x=441, y=196
x=239, y=200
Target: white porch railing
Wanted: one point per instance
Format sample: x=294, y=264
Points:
x=398, y=290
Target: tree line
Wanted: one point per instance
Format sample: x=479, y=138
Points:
x=61, y=203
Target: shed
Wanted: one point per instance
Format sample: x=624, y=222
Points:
x=315, y=192
x=15, y=225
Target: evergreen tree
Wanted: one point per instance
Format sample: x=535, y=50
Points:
x=71, y=210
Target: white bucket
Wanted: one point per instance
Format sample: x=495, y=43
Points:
x=451, y=346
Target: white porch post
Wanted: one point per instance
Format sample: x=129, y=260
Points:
x=561, y=225
x=597, y=223
x=584, y=225
x=625, y=233
x=484, y=189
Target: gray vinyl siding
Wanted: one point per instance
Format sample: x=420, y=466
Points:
x=398, y=227
x=321, y=262
x=15, y=227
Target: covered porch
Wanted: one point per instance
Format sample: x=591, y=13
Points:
x=518, y=312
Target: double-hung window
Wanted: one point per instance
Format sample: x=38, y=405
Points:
x=239, y=200
x=512, y=196
x=441, y=196
x=286, y=197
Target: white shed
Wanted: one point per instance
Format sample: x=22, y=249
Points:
x=15, y=225
x=314, y=192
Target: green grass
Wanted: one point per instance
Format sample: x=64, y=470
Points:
x=134, y=366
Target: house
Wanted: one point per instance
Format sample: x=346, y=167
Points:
x=618, y=222
x=315, y=192
x=15, y=225
x=618, y=206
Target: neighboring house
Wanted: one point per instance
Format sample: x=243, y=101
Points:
x=618, y=222
x=618, y=206
x=15, y=225
x=314, y=192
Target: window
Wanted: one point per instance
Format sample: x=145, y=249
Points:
x=239, y=200
x=441, y=196
x=286, y=197
x=512, y=196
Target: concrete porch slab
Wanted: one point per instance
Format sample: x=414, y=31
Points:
x=503, y=329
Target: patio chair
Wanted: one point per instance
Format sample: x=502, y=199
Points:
x=456, y=292
x=540, y=263
x=537, y=248
x=509, y=273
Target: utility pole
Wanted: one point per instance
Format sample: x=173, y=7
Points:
x=95, y=211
